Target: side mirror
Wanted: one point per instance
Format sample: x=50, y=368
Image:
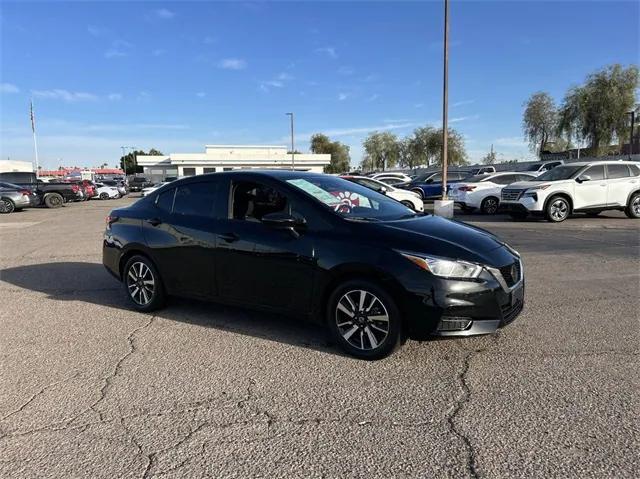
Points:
x=583, y=178
x=282, y=220
x=383, y=190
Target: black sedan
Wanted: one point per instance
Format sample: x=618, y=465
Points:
x=314, y=246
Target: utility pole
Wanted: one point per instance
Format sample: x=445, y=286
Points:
x=293, y=146
x=445, y=101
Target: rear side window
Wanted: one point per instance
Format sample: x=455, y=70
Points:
x=595, y=172
x=618, y=171
x=635, y=170
x=505, y=179
x=164, y=201
x=195, y=199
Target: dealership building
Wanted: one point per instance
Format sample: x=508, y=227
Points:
x=226, y=158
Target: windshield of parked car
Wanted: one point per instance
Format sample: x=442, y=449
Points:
x=351, y=200
x=535, y=167
x=558, y=173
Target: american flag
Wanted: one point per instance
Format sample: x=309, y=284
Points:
x=33, y=119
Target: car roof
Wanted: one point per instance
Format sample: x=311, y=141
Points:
x=602, y=162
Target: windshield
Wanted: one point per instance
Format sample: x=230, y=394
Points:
x=558, y=173
x=535, y=167
x=351, y=200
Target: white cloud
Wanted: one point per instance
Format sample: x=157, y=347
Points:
x=512, y=141
x=461, y=103
x=285, y=76
x=373, y=97
x=201, y=94
x=355, y=130
x=343, y=96
x=329, y=51
x=164, y=14
x=345, y=70
x=158, y=52
x=232, y=64
x=464, y=118
x=97, y=31
x=114, y=96
x=119, y=48
x=8, y=88
x=144, y=96
x=59, y=94
x=396, y=121
x=114, y=53
x=418, y=105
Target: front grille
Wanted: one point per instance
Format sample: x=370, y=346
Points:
x=510, y=195
x=511, y=273
x=509, y=312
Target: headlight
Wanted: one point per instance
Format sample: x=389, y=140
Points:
x=445, y=268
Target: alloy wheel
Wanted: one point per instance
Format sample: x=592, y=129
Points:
x=635, y=206
x=6, y=206
x=559, y=210
x=140, y=283
x=490, y=205
x=362, y=319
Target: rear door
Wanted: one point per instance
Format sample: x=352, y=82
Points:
x=592, y=193
x=619, y=184
x=181, y=230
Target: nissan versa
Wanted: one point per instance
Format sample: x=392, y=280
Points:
x=315, y=246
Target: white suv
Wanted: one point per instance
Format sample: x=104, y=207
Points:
x=483, y=191
x=589, y=187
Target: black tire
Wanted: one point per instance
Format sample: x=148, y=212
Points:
x=408, y=204
x=142, y=295
x=558, y=209
x=7, y=206
x=489, y=205
x=104, y=196
x=633, y=207
x=518, y=216
x=419, y=191
x=53, y=200
x=373, y=336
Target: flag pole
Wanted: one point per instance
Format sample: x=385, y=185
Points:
x=35, y=141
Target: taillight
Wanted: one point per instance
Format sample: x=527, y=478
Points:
x=25, y=192
x=467, y=188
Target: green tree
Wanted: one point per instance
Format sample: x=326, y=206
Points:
x=128, y=162
x=456, y=150
x=382, y=149
x=597, y=111
x=490, y=158
x=539, y=121
x=340, y=158
x=421, y=148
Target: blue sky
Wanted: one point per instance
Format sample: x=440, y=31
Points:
x=178, y=75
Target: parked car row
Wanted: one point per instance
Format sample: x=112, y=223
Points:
x=19, y=190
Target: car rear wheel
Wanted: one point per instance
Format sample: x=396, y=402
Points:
x=489, y=205
x=104, y=196
x=364, y=320
x=6, y=206
x=142, y=284
x=558, y=209
x=53, y=200
x=633, y=208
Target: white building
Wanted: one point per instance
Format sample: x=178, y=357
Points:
x=226, y=158
x=7, y=166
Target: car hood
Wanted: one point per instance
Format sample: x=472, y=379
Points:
x=437, y=236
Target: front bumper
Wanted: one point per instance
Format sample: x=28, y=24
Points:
x=526, y=204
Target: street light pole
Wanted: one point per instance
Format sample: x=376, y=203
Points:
x=293, y=146
x=445, y=101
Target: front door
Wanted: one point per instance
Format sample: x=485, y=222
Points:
x=261, y=265
x=592, y=193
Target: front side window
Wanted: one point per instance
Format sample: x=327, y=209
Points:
x=351, y=200
x=595, y=172
x=251, y=201
x=559, y=173
x=617, y=171
x=195, y=199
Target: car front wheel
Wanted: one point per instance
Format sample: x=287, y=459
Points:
x=6, y=206
x=143, y=284
x=490, y=205
x=558, y=209
x=633, y=208
x=364, y=320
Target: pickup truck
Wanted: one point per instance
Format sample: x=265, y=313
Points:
x=52, y=195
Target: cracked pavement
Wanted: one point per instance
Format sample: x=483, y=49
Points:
x=89, y=388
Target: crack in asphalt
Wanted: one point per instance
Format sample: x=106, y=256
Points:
x=463, y=399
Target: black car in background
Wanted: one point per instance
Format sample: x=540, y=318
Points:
x=137, y=183
x=51, y=194
x=314, y=246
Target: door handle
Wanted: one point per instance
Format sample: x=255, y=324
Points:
x=229, y=237
x=154, y=221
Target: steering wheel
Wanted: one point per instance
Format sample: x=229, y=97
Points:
x=343, y=208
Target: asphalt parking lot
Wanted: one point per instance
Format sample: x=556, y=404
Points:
x=89, y=388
